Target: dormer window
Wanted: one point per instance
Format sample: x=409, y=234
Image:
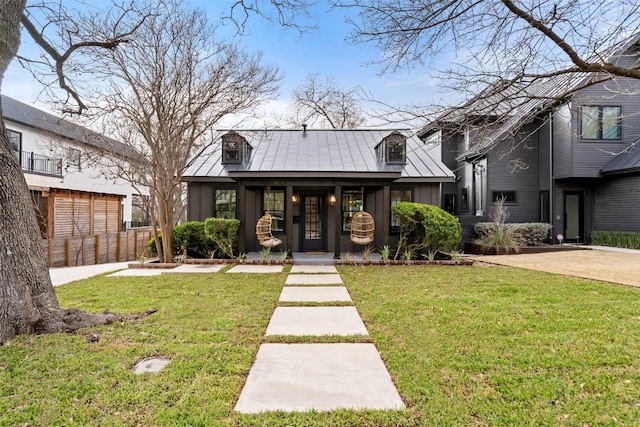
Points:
x=395, y=148
x=233, y=146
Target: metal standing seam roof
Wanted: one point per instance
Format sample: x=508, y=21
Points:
x=318, y=152
x=626, y=162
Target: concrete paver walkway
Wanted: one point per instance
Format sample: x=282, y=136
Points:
x=198, y=268
x=304, y=377
x=314, y=269
x=314, y=279
x=314, y=294
x=255, y=268
x=318, y=321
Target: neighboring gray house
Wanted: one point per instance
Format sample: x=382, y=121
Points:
x=572, y=161
x=312, y=182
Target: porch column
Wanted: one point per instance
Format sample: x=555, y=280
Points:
x=288, y=194
x=242, y=216
x=386, y=214
x=337, y=212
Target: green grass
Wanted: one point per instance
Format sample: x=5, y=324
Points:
x=503, y=346
x=464, y=345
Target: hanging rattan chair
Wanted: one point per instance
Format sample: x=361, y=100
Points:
x=363, y=228
x=263, y=231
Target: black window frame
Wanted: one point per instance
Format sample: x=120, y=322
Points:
x=545, y=200
x=395, y=228
x=600, y=123
x=232, y=148
x=395, y=148
x=216, y=211
x=511, y=196
x=349, y=210
x=277, y=215
x=11, y=135
x=464, y=199
x=450, y=203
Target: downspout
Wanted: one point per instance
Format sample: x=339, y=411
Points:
x=551, y=192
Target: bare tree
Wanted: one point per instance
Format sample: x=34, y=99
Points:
x=27, y=300
x=285, y=13
x=513, y=43
x=168, y=87
x=325, y=103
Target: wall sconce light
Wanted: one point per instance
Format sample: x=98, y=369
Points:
x=294, y=199
x=332, y=199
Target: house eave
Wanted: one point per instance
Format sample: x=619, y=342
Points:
x=317, y=174
x=435, y=179
x=621, y=171
x=222, y=179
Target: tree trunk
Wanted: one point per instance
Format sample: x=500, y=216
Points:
x=28, y=303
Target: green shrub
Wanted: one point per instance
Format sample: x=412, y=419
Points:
x=524, y=234
x=191, y=236
x=151, y=245
x=224, y=235
x=617, y=239
x=426, y=227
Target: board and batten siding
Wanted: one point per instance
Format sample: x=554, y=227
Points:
x=616, y=205
x=513, y=166
x=200, y=201
x=590, y=156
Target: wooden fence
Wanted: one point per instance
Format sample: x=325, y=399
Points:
x=97, y=249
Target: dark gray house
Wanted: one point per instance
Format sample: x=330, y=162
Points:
x=572, y=161
x=312, y=182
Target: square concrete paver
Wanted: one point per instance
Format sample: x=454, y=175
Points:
x=314, y=279
x=304, y=377
x=314, y=269
x=314, y=294
x=250, y=268
x=141, y=272
x=198, y=268
x=317, y=321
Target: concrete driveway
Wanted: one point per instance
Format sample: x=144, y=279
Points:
x=606, y=264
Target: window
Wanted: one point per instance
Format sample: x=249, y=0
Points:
x=601, y=122
x=544, y=206
x=74, y=158
x=15, y=139
x=398, y=196
x=273, y=203
x=140, y=216
x=232, y=147
x=225, y=204
x=450, y=203
x=464, y=199
x=507, y=196
x=351, y=204
x=395, y=148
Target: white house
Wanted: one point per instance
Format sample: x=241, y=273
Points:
x=72, y=195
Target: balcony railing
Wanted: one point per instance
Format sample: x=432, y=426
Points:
x=37, y=163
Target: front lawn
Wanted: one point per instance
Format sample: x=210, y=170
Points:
x=465, y=346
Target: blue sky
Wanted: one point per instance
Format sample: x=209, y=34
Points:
x=323, y=51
